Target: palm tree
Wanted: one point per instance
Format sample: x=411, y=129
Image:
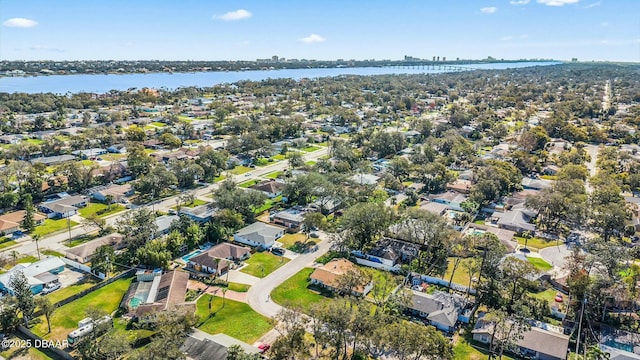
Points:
x=595, y=353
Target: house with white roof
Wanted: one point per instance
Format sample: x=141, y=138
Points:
x=38, y=274
x=259, y=235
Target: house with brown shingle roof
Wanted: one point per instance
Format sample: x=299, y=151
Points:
x=271, y=188
x=11, y=222
x=327, y=276
x=84, y=252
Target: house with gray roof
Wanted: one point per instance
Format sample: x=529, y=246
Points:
x=439, y=309
x=259, y=235
x=164, y=223
x=365, y=179
x=516, y=219
x=64, y=207
x=38, y=274
x=201, y=213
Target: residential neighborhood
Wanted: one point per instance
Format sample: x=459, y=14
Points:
x=372, y=217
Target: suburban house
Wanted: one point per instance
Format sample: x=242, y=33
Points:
x=450, y=198
x=290, y=218
x=12, y=222
x=201, y=213
x=327, y=276
x=517, y=219
x=53, y=160
x=117, y=149
x=365, y=179
x=38, y=274
x=271, y=188
x=434, y=207
x=89, y=153
x=229, y=251
x=164, y=223
x=326, y=205
x=64, y=207
x=389, y=254
x=536, y=184
x=153, y=292
x=439, y=309
x=542, y=342
x=84, y=252
x=213, y=347
x=208, y=264
x=117, y=193
x=259, y=234
x=460, y=186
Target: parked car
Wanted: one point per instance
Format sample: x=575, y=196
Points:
x=51, y=287
x=278, y=251
x=314, y=235
x=264, y=347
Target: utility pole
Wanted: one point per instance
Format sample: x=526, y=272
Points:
x=580, y=325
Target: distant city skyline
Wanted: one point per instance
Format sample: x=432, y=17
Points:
x=604, y=30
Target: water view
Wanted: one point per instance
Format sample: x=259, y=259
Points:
x=101, y=83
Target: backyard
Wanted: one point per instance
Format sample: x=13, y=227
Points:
x=230, y=317
x=461, y=276
x=71, y=290
x=65, y=318
x=240, y=170
x=263, y=263
x=50, y=226
x=294, y=292
x=274, y=175
x=100, y=210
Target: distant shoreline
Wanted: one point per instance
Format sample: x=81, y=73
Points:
x=12, y=69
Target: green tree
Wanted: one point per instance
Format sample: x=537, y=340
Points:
x=21, y=289
x=47, y=309
x=138, y=161
x=28, y=224
x=363, y=223
x=102, y=260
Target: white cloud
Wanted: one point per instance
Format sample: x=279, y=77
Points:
x=519, y=2
x=593, y=5
x=20, y=23
x=313, y=38
x=510, y=37
x=557, y=2
x=239, y=14
x=45, y=48
x=489, y=10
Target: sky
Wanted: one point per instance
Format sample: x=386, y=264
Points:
x=601, y=30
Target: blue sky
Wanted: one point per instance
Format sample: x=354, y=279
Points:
x=327, y=29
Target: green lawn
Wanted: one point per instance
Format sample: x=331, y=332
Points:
x=68, y=291
x=100, y=210
x=537, y=243
x=294, y=292
x=279, y=157
x=66, y=317
x=6, y=243
x=34, y=141
x=233, y=286
x=158, y=124
x=268, y=204
x=289, y=240
x=240, y=170
x=51, y=226
x=184, y=118
x=51, y=253
x=79, y=240
x=274, y=175
x=232, y=318
x=194, y=203
x=460, y=276
x=27, y=259
x=87, y=162
x=310, y=163
x=249, y=183
x=311, y=148
x=540, y=264
x=263, y=263
x=112, y=157
x=219, y=178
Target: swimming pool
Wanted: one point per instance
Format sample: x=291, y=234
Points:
x=188, y=257
x=135, y=302
x=620, y=346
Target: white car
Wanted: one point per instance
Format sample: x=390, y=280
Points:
x=51, y=287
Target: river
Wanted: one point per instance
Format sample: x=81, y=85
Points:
x=102, y=83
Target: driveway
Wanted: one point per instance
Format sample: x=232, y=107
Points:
x=556, y=256
x=259, y=297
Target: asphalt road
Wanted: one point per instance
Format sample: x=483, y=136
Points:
x=56, y=241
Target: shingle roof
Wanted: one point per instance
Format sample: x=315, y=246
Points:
x=260, y=232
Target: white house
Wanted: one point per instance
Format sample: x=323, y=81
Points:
x=259, y=235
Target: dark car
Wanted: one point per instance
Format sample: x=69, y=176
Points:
x=277, y=251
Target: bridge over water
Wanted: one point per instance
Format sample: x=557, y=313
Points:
x=428, y=65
